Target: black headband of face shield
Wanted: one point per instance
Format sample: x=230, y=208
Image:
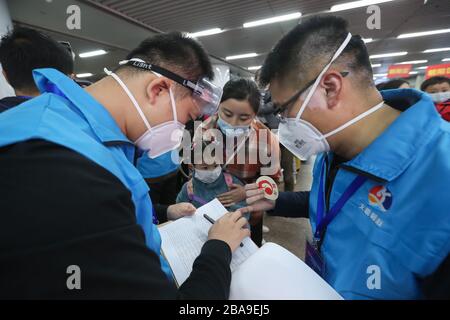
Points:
x=166, y=73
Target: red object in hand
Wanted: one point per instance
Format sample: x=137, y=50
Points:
x=268, y=188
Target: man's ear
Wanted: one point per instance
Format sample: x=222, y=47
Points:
x=332, y=83
x=157, y=88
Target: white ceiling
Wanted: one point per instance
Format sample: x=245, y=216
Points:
x=118, y=26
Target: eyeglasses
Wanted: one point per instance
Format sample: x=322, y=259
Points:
x=283, y=108
x=205, y=94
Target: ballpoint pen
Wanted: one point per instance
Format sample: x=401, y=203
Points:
x=211, y=220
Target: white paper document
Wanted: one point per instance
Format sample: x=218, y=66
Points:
x=274, y=273
x=270, y=272
x=182, y=240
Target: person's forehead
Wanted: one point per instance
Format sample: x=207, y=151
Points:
x=444, y=84
x=438, y=86
x=237, y=106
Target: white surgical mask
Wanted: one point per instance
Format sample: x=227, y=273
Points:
x=232, y=131
x=301, y=137
x=162, y=138
x=208, y=176
x=439, y=97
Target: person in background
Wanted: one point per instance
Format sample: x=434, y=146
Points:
x=208, y=180
x=161, y=176
x=379, y=204
x=236, y=119
x=394, y=84
x=21, y=51
x=439, y=90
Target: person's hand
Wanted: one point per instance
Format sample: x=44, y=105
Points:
x=256, y=200
x=235, y=195
x=230, y=229
x=180, y=210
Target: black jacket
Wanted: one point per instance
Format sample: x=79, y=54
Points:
x=59, y=209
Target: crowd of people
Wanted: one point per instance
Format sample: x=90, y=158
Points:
x=89, y=171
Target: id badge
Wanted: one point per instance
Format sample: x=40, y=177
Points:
x=313, y=258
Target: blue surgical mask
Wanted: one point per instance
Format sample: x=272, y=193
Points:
x=232, y=131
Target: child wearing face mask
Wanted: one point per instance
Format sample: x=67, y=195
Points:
x=207, y=182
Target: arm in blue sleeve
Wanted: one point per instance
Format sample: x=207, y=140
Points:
x=292, y=205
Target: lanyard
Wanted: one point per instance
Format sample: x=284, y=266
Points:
x=193, y=197
x=324, y=220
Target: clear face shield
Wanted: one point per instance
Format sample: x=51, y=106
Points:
x=205, y=95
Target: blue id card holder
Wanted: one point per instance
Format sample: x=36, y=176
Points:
x=313, y=258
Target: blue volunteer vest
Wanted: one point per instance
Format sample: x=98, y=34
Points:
x=395, y=229
x=154, y=168
x=73, y=119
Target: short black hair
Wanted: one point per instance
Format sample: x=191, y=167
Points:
x=24, y=49
x=301, y=54
x=391, y=84
x=175, y=52
x=243, y=89
x=432, y=81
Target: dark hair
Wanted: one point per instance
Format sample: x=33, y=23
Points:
x=391, y=84
x=301, y=54
x=432, y=81
x=24, y=49
x=175, y=52
x=243, y=89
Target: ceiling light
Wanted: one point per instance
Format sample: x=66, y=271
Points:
x=413, y=72
x=367, y=40
x=92, y=53
x=421, y=68
x=376, y=65
x=242, y=56
x=446, y=59
x=385, y=55
x=355, y=4
x=436, y=50
x=254, y=68
x=424, y=33
x=285, y=17
x=413, y=62
x=204, y=33
x=380, y=74
x=84, y=75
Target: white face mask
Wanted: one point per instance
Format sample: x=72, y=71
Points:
x=439, y=97
x=208, y=176
x=301, y=137
x=162, y=138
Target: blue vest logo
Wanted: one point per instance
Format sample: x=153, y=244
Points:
x=380, y=197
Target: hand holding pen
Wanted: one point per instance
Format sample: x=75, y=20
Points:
x=230, y=229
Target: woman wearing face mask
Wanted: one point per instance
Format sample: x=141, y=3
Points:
x=253, y=143
x=208, y=181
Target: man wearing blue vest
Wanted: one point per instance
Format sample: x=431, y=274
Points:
x=72, y=201
x=379, y=204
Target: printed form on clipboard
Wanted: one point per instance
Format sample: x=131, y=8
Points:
x=269, y=272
